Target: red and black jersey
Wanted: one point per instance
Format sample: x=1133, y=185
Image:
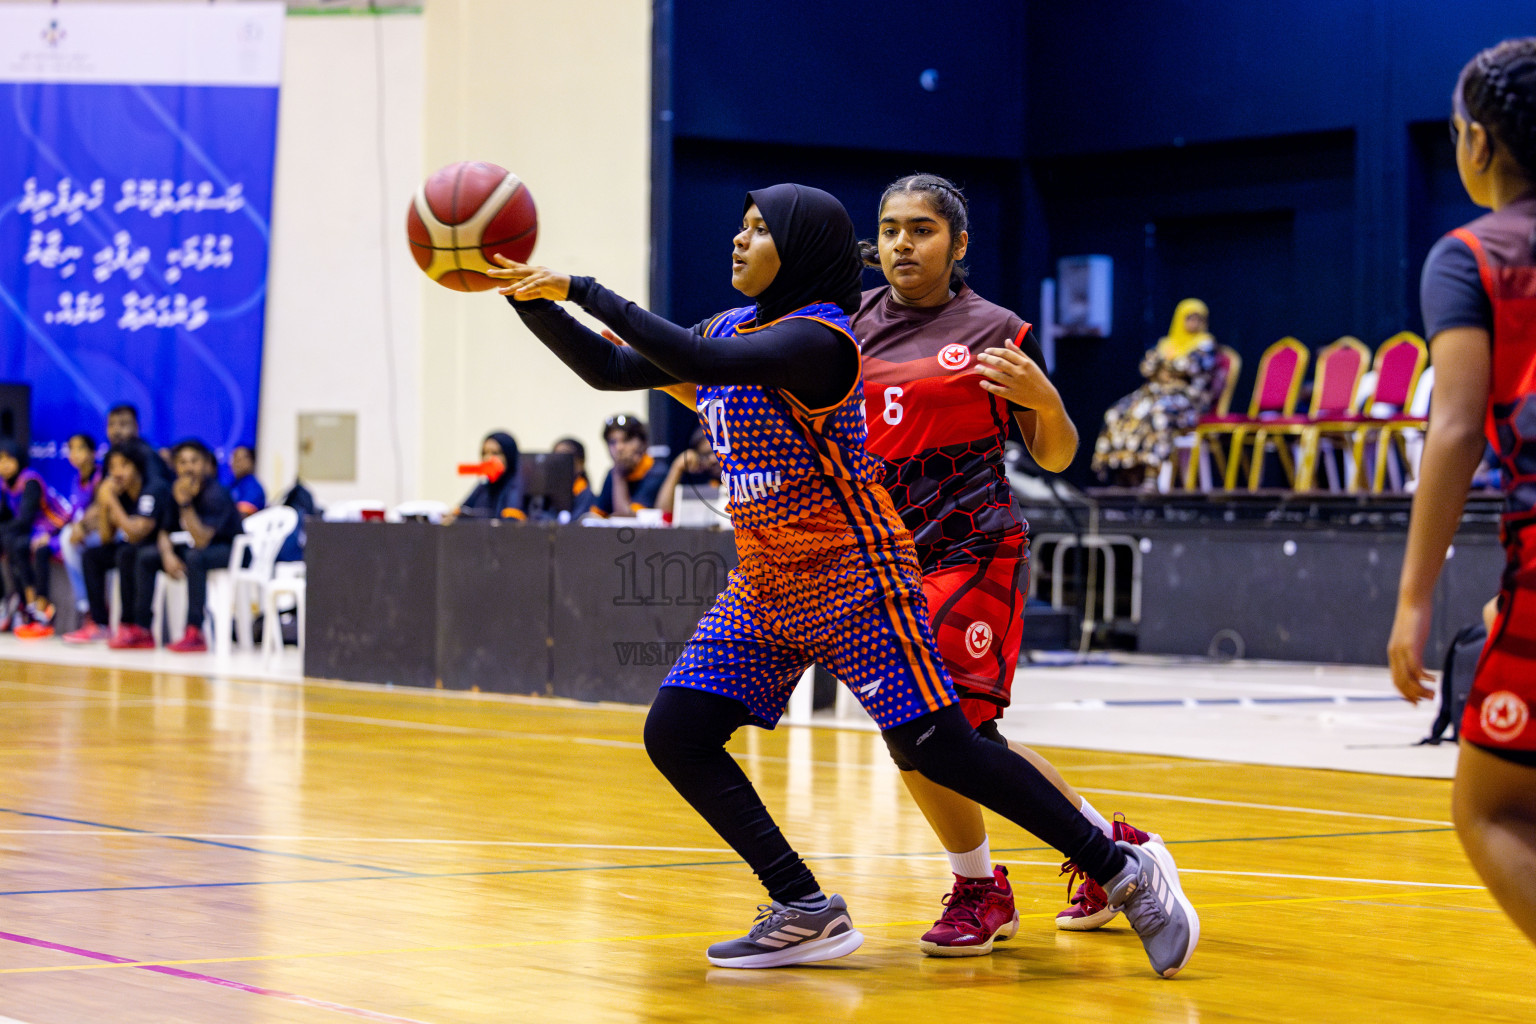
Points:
x=941, y=435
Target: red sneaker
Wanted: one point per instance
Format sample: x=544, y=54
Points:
x=1090, y=906
x=129, y=638
x=191, y=643
x=976, y=911
x=35, y=630
x=88, y=633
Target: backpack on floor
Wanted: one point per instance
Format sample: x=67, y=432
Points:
x=1456, y=682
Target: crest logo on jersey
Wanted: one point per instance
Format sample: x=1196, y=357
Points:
x=978, y=638
x=1504, y=716
x=954, y=357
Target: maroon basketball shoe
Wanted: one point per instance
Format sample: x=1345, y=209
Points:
x=1090, y=906
x=976, y=911
x=131, y=638
x=191, y=642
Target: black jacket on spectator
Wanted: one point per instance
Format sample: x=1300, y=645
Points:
x=492, y=499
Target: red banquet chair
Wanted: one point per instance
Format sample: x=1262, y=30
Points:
x=1281, y=368
x=1229, y=366
x=1387, y=414
x=1335, y=380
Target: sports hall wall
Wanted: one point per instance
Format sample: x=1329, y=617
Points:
x=370, y=104
x=1288, y=163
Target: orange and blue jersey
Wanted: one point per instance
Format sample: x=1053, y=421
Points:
x=781, y=462
x=827, y=572
x=53, y=512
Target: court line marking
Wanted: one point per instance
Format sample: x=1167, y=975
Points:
x=1265, y=807
x=203, y=842
x=598, y=939
x=168, y=968
x=733, y=862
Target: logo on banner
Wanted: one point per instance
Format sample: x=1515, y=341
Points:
x=954, y=357
x=1504, y=716
x=53, y=35
x=978, y=638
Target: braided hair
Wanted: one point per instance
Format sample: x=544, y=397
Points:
x=947, y=201
x=1497, y=89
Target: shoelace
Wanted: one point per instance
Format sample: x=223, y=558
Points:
x=1073, y=873
x=769, y=917
x=1143, y=909
x=963, y=902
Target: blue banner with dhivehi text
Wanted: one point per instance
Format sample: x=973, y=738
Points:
x=135, y=200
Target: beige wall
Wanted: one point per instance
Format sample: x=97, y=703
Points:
x=344, y=295
x=560, y=94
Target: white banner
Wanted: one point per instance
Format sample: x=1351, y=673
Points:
x=144, y=44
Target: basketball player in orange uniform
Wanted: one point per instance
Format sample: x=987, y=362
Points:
x=1478, y=294
x=944, y=372
x=826, y=573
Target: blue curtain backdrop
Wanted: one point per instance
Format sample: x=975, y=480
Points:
x=134, y=230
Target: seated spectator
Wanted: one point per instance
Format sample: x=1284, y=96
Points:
x=205, y=510
x=696, y=467
x=82, y=529
x=123, y=429
x=498, y=496
x=131, y=512
x=247, y=491
x=303, y=502
x=582, y=497
x=31, y=516
x=636, y=477
x=1139, y=430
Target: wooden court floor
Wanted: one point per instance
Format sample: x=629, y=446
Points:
x=179, y=848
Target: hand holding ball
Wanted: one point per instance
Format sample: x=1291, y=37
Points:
x=464, y=216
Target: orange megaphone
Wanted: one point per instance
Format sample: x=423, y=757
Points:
x=490, y=469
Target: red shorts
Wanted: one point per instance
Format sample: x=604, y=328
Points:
x=978, y=622
x=1498, y=714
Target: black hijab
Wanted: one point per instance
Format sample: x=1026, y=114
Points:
x=818, y=252
x=506, y=491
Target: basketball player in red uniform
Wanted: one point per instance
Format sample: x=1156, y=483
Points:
x=944, y=372
x=1478, y=294
x=826, y=572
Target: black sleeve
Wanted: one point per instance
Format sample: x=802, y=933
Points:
x=596, y=360
x=25, y=512
x=809, y=360
x=1030, y=346
x=215, y=509
x=1451, y=289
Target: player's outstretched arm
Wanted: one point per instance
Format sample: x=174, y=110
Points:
x=598, y=362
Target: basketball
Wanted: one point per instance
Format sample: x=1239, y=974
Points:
x=462, y=216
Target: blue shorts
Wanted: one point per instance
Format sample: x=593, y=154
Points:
x=866, y=624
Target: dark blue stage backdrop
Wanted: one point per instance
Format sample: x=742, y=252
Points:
x=135, y=199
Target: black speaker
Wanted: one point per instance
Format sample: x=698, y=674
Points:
x=16, y=413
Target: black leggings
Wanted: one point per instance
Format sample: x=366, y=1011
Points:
x=685, y=734
x=687, y=729
x=28, y=568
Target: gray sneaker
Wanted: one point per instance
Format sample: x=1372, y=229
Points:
x=1148, y=891
x=783, y=935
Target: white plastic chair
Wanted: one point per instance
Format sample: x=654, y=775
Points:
x=289, y=583
x=263, y=538
x=169, y=603
x=431, y=511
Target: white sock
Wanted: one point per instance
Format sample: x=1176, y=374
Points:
x=975, y=864
x=1098, y=820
